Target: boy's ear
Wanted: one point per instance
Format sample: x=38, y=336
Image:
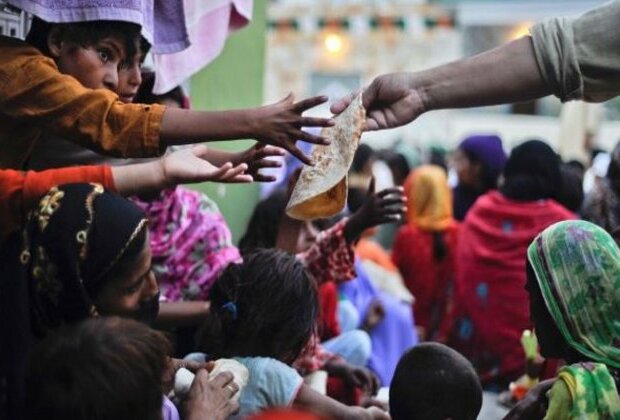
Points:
x=54, y=41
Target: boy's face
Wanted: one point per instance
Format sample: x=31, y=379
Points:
x=130, y=77
x=96, y=66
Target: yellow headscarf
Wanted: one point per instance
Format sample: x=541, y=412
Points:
x=429, y=198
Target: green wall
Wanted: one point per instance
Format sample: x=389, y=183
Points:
x=234, y=80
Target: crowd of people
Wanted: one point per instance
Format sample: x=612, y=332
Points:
x=114, y=277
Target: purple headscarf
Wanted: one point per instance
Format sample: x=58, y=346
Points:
x=488, y=150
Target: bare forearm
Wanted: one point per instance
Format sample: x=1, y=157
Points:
x=139, y=178
x=505, y=74
x=180, y=126
x=182, y=314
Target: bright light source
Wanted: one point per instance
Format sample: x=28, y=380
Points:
x=520, y=30
x=333, y=43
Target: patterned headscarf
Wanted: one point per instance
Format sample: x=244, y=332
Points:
x=577, y=265
x=429, y=198
x=71, y=242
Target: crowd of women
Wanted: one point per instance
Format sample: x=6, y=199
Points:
x=104, y=298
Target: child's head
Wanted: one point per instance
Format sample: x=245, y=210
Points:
x=434, y=382
x=92, y=52
x=262, y=231
x=265, y=306
x=80, y=258
x=130, y=75
x=103, y=368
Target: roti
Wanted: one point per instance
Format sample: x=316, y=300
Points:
x=321, y=190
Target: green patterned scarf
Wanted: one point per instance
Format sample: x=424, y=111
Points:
x=577, y=265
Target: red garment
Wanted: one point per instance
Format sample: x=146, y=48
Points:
x=330, y=258
x=20, y=191
x=429, y=280
x=328, y=302
x=339, y=390
x=491, y=303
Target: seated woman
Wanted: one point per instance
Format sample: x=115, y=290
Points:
x=425, y=248
x=83, y=253
x=490, y=303
x=573, y=279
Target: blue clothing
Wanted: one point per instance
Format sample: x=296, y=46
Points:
x=271, y=384
x=353, y=346
x=395, y=333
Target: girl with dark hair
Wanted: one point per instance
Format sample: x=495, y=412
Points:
x=263, y=314
x=84, y=252
x=424, y=249
x=479, y=161
x=490, y=302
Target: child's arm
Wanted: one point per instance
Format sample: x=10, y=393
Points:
x=33, y=91
x=309, y=400
x=181, y=314
x=331, y=257
x=20, y=191
x=184, y=166
x=278, y=124
x=256, y=157
x=379, y=208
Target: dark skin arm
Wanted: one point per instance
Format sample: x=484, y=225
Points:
x=506, y=74
x=277, y=124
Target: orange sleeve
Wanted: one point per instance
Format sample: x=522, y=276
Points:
x=20, y=191
x=33, y=91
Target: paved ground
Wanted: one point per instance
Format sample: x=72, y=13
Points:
x=490, y=409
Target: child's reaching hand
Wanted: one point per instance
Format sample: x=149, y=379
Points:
x=280, y=124
x=189, y=165
x=256, y=157
x=386, y=206
x=357, y=376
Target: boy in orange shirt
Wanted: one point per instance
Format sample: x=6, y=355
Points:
x=39, y=92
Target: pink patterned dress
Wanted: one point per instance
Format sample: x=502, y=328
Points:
x=190, y=242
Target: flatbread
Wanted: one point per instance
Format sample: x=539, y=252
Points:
x=321, y=190
x=241, y=375
x=183, y=378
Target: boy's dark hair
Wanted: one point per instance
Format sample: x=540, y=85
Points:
x=86, y=34
x=103, y=368
x=266, y=306
x=434, y=382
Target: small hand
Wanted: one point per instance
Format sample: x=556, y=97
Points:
x=357, y=376
x=280, y=124
x=390, y=101
x=256, y=158
x=374, y=315
x=534, y=404
x=189, y=165
x=211, y=398
x=386, y=206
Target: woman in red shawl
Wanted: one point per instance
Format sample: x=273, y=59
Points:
x=491, y=304
x=425, y=248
